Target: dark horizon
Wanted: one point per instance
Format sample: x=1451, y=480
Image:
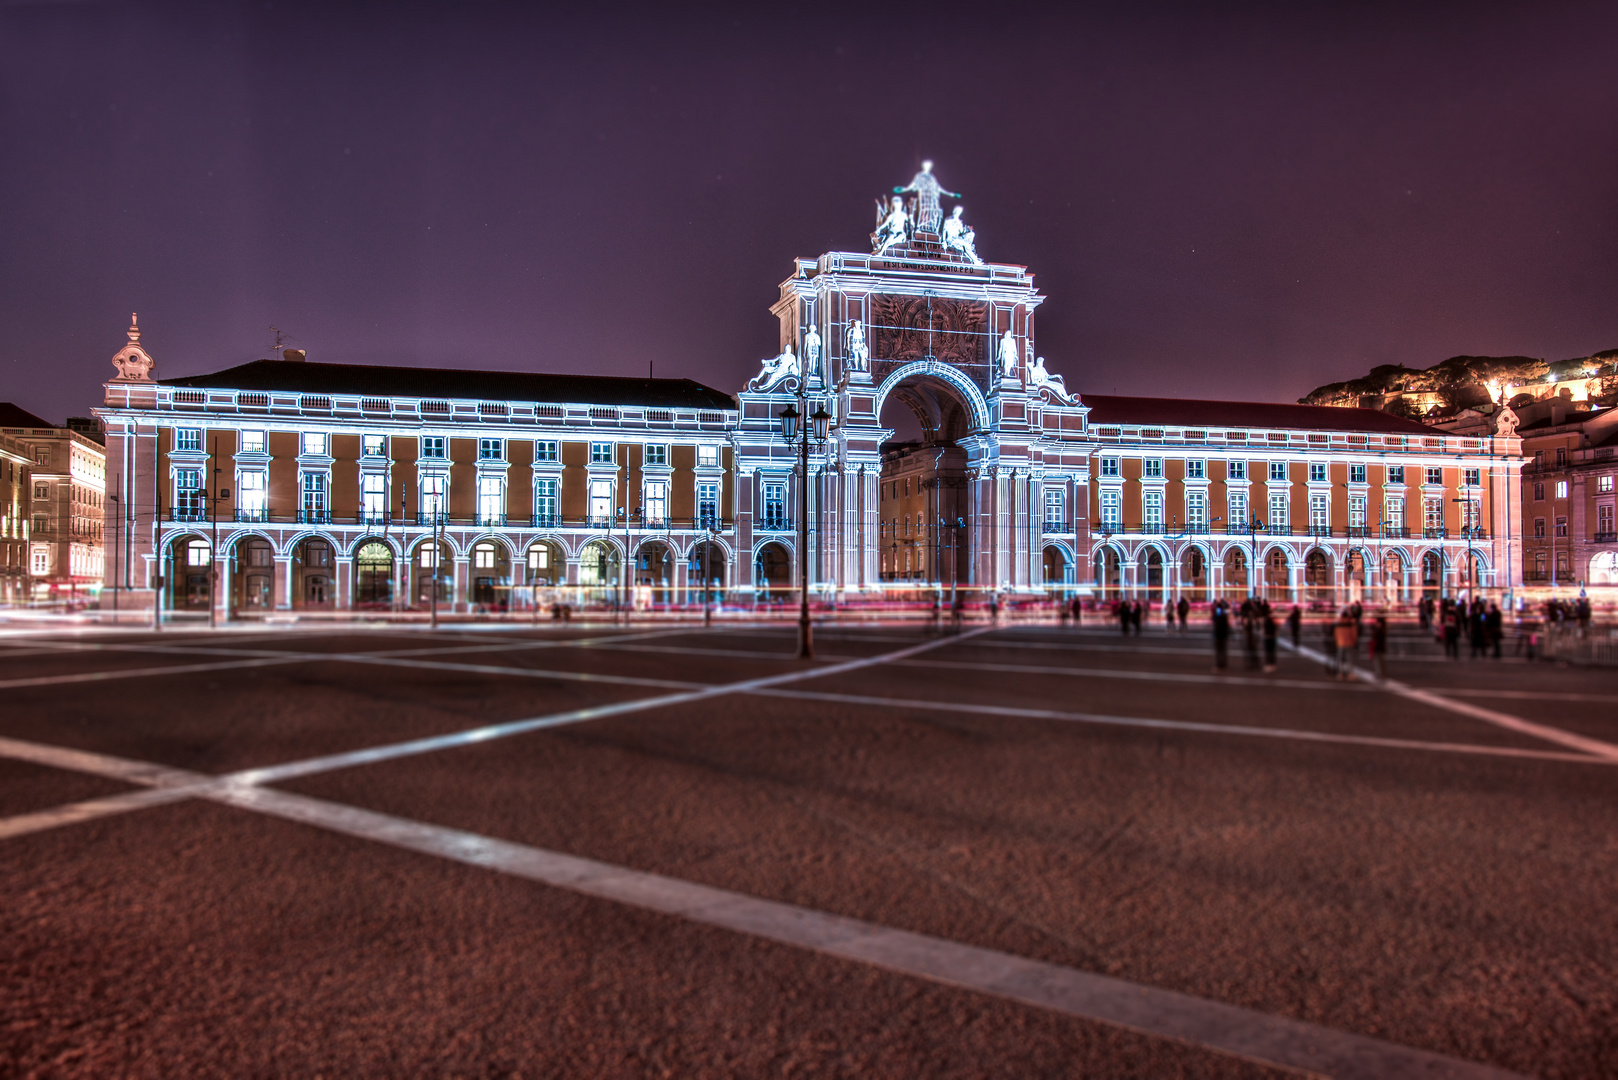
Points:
x=1235, y=206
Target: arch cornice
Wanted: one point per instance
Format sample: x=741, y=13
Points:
x=951, y=376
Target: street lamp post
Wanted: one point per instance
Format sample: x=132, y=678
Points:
x=1467, y=530
x=626, y=592
x=789, y=430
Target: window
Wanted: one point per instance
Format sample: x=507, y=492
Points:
x=1539, y=491
x=1055, y=508
x=1432, y=516
x=188, y=494
x=1109, y=466
x=1435, y=475
x=656, y=511
x=539, y=557
x=1604, y=519
x=1151, y=506
x=186, y=438
x=1280, y=516
x=1236, y=470
x=1471, y=514
x=775, y=506
x=252, y=498
x=1109, y=510
x=42, y=489
x=314, y=443
x=1561, y=489
x=491, y=449
x=601, y=453
x=1238, y=512
x=434, y=505
x=1561, y=565
x=483, y=557
x=251, y=442
x=1539, y=457
x=1151, y=467
x=545, y=502
x=1319, y=517
x=545, y=451
x=1396, y=474
x=429, y=557
x=708, y=505
x=1195, y=469
x=1561, y=526
x=374, y=445
x=1196, y=511
x=1561, y=455
x=1470, y=477
x=1604, y=484
x=491, y=500
x=41, y=561
x=707, y=457
x=1539, y=528
x=600, y=501
x=314, y=495
x=1356, y=511
x=197, y=553
x=657, y=454
x=1278, y=470
x=1317, y=472
x=42, y=455
x=1356, y=474
x=432, y=446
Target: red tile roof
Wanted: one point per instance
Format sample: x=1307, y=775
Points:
x=1190, y=412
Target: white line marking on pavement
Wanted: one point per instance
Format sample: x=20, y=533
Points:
x=1126, y=673
x=1181, y=725
x=1604, y=750
x=1200, y=1022
x=89, y=810
x=152, y=672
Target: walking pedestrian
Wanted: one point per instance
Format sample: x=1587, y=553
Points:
x=1295, y=624
x=1270, y=629
x=1379, y=646
x=1121, y=610
x=1347, y=638
x=1168, y=616
x=1452, y=632
x=1221, y=634
x=1250, y=636
x=1078, y=611
x=1184, y=611
x=1496, y=624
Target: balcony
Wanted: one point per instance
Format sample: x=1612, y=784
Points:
x=1057, y=528
x=185, y=513
x=544, y=521
x=432, y=517
x=1435, y=532
x=1395, y=532
x=372, y=517
x=314, y=517
x=1320, y=532
x=1474, y=532
x=492, y=521
x=1605, y=538
x=258, y=514
x=775, y=523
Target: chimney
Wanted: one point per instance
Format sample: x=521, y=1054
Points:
x=296, y=356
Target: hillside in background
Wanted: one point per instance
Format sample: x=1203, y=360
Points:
x=1470, y=382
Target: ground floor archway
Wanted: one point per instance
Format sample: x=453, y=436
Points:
x=772, y=571
x=1058, y=571
x=373, y=574
x=1317, y=575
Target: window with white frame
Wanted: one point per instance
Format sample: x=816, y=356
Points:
x=483, y=557
x=707, y=457
x=1604, y=484
x=1055, y=509
x=1356, y=474
x=775, y=505
x=197, y=553
x=1110, y=513
x=1396, y=474
x=491, y=449
x=1356, y=511
x=656, y=510
x=1280, y=514
x=1196, y=511
x=491, y=500
x=251, y=442
x=374, y=446
x=1278, y=470
x=1471, y=514
x=1236, y=470
x=1151, y=506
x=188, y=494
x=657, y=454
x=1604, y=519
x=1435, y=475
x=1539, y=528
x=1394, y=510
x=428, y=557
x=545, y=451
x=1471, y=477
x=187, y=438
x=1151, y=468
x=42, y=488
x=601, y=453
x=432, y=446
x=1561, y=489
x=313, y=488
x=1561, y=526
x=252, y=494
x=1319, y=516
x=1237, y=522
x=434, y=503
x=374, y=497
x=314, y=444
x=1109, y=467
x=1195, y=469
x=708, y=506
x=41, y=560
x=1317, y=472
x=601, y=500
x=1432, y=515
x=545, y=503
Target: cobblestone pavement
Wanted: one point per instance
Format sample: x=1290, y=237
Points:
x=670, y=851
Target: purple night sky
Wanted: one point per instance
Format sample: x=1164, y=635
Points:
x=1240, y=205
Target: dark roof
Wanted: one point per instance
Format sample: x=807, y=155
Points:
x=15, y=416
x=374, y=380
x=1189, y=412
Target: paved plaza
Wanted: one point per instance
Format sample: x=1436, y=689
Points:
x=664, y=850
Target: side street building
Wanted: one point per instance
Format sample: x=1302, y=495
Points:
x=1570, y=539
x=285, y=484
x=16, y=490
x=67, y=491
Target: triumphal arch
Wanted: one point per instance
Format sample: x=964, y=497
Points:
x=922, y=320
